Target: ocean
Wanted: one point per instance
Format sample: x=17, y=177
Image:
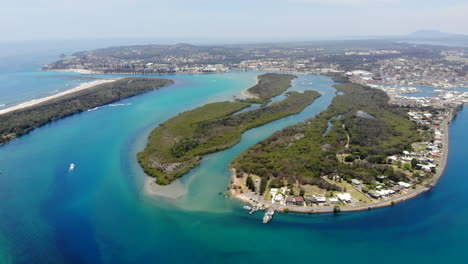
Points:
x=99, y=213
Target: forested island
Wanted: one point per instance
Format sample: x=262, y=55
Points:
x=363, y=127
x=16, y=123
x=361, y=148
x=176, y=146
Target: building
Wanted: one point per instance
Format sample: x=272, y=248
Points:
x=278, y=198
x=375, y=194
x=356, y=182
x=404, y=184
x=344, y=197
x=299, y=200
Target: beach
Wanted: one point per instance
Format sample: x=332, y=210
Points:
x=246, y=93
x=81, y=71
x=80, y=87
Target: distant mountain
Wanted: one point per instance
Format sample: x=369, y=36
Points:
x=434, y=37
x=430, y=34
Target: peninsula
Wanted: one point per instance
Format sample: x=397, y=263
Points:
x=268, y=86
x=21, y=119
x=176, y=146
x=361, y=152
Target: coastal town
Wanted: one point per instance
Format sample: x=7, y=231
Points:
x=380, y=64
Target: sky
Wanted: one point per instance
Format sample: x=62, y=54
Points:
x=229, y=21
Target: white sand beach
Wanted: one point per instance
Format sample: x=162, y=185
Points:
x=82, y=71
x=44, y=99
x=249, y=94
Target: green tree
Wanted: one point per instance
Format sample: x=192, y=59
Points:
x=336, y=209
x=301, y=192
x=263, y=184
x=250, y=183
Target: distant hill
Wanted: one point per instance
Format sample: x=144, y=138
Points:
x=435, y=35
x=429, y=34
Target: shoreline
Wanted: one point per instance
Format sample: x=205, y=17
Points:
x=249, y=94
x=33, y=102
x=81, y=71
x=383, y=203
x=172, y=191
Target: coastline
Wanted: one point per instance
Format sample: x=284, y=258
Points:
x=383, y=203
x=249, y=94
x=33, y=102
x=81, y=71
x=246, y=92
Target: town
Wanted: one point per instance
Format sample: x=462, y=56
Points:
x=378, y=64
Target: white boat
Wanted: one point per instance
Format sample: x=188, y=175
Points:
x=72, y=167
x=268, y=215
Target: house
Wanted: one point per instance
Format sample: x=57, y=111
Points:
x=356, y=182
x=311, y=199
x=299, y=200
x=386, y=193
x=344, y=197
x=278, y=198
x=273, y=192
x=290, y=200
x=404, y=184
x=321, y=199
x=375, y=194
x=333, y=200
x=424, y=167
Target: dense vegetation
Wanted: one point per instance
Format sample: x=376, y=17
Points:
x=269, y=85
x=19, y=122
x=176, y=145
x=305, y=152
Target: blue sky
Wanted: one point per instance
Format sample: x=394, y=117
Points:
x=226, y=20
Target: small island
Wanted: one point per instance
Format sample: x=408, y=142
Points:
x=360, y=153
x=176, y=146
x=21, y=119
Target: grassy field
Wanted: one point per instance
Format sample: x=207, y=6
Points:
x=19, y=122
x=176, y=146
x=354, y=193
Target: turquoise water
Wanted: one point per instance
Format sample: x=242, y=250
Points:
x=98, y=213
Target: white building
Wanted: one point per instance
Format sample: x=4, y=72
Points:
x=344, y=197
